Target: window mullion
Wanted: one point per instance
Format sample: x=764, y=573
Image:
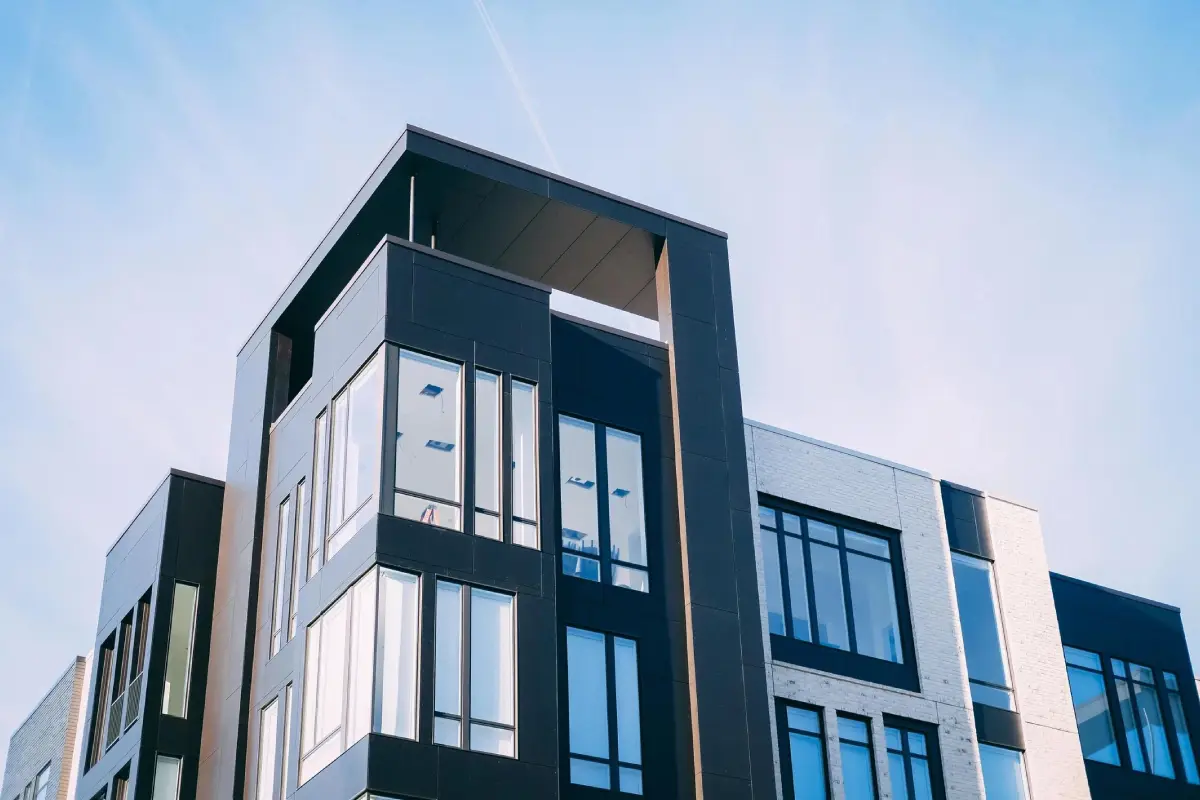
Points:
x=1131, y=686
x=848, y=601
x=602, y=503
x=610, y=681
x=391, y=421
x=810, y=587
x=465, y=668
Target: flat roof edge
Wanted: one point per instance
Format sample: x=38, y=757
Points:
x=75, y=662
x=600, y=326
x=837, y=448
x=1116, y=592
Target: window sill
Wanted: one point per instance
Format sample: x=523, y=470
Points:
x=841, y=662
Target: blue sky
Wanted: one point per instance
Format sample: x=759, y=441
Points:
x=963, y=236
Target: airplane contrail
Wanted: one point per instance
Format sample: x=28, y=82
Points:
x=501, y=51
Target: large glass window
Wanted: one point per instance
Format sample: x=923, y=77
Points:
x=176, y=684
x=354, y=463
x=978, y=611
x=363, y=646
x=838, y=578
x=286, y=750
x=1182, y=737
x=316, y=542
x=524, y=464
x=268, y=726
x=1086, y=676
x=1142, y=718
x=282, y=534
x=602, y=673
x=909, y=765
x=167, y=770
x=295, y=557
x=428, y=440
x=618, y=550
x=1003, y=773
x=858, y=771
x=474, y=676
x=487, y=455
x=804, y=765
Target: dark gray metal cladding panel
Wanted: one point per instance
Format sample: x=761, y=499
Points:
x=464, y=775
x=132, y=566
x=354, y=318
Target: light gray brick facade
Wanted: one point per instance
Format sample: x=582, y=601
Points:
x=823, y=476
x=49, y=737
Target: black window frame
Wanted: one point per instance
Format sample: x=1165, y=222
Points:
x=603, y=534
x=869, y=745
x=783, y=732
x=932, y=757
x=849, y=663
x=1114, y=720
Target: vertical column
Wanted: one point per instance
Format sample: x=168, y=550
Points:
x=731, y=731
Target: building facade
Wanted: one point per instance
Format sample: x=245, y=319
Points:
x=470, y=546
x=44, y=749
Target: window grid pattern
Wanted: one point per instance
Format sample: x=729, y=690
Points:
x=1141, y=715
x=805, y=769
x=982, y=630
x=283, y=524
x=908, y=764
x=1085, y=674
x=604, y=711
x=428, y=436
x=811, y=568
x=295, y=558
x=858, y=767
x=1182, y=735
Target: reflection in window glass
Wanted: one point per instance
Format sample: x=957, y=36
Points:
x=626, y=507
x=876, y=624
x=487, y=454
x=295, y=556
x=283, y=525
x=827, y=592
x=428, y=451
x=447, y=703
x=1183, y=738
x=987, y=664
x=1128, y=718
x=167, y=770
x=773, y=585
x=1154, y=734
x=396, y=655
x=286, y=751
x=492, y=680
x=590, y=694
x=577, y=492
x=268, y=725
x=1003, y=773
x=1092, y=715
x=799, y=588
x=41, y=784
x=316, y=542
x=176, y=684
x=806, y=750
x=908, y=764
x=354, y=467
x=525, y=465
x=858, y=773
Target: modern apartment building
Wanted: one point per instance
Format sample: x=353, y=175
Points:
x=470, y=546
x=44, y=749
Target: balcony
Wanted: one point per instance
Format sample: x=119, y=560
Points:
x=133, y=701
x=115, y=715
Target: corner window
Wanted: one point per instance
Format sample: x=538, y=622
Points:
x=803, y=758
x=1086, y=677
x=830, y=585
x=354, y=464
x=474, y=675
x=167, y=771
x=268, y=726
x=429, y=440
x=979, y=613
x=282, y=534
x=611, y=544
x=1142, y=718
x=858, y=770
x=362, y=648
x=177, y=683
x=602, y=676
x=1003, y=773
x=1182, y=737
x=908, y=752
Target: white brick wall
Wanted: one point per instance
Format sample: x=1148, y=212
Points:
x=824, y=476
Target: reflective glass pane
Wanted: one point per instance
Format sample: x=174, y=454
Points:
x=428, y=438
x=629, y=720
x=766, y=517
x=1141, y=674
x=916, y=743
x=577, y=492
x=772, y=583
x=176, y=684
x=587, y=690
x=283, y=525
x=897, y=776
x=1171, y=681
x=858, y=780
x=1118, y=668
x=430, y=512
x=854, y=730
x=791, y=523
x=360, y=686
x=357, y=422
x=894, y=739
x=822, y=531
x=447, y=731
x=296, y=555
x=487, y=526
x=1082, y=658
x=626, y=507
x=1092, y=716
x=808, y=767
x=1184, y=738
x=797, y=588
x=268, y=726
x=492, y=682
x=631, y=780
x=396, y=662
x=308, y=712
x=992, y=696
x=922, y=781
x=630, y=578
x=590, y=773
x=1129, y=723
x=873, y=602
x=487, y=441
x=1153, y=733
x=524, y=454
x=580, y=567
x=448, y=644
x=321, y=482
x=525, y=534
x=831, y=604
x=803, y=719
x=986, y=660
x=1003, y=773
x=166, y=778
x=486, y=739
x=871, y=545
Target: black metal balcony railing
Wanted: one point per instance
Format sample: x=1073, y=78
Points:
x=133, y=701
x=115, y=716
